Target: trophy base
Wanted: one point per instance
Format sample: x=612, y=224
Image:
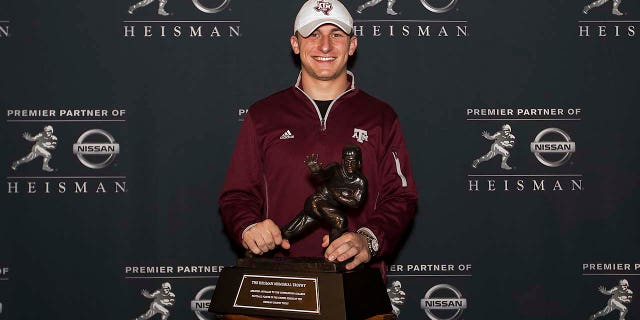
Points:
x=299, y=288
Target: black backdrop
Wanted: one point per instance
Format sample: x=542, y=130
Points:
x=175, y=103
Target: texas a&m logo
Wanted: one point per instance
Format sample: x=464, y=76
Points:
x=324, y=7
x=360, y=135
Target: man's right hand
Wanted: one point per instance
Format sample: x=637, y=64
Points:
x=264, y=237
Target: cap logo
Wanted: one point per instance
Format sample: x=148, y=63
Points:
x=324, y=7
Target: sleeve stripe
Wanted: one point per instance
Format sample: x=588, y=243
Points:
x=398, y=170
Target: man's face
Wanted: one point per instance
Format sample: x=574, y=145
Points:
x=324, y=53
x=48, y=133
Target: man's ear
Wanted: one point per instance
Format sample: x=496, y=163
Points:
x=353, y=44
x=294, y=44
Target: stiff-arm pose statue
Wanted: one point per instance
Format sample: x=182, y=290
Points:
x=344, y=186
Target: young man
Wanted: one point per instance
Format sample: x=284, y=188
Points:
x=267, y=182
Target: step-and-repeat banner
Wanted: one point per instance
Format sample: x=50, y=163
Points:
x=120, y=118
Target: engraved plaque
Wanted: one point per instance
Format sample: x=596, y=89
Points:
x=281, y=293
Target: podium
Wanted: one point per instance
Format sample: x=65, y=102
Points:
x=299, y=288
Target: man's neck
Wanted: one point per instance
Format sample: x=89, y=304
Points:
x=324, y=89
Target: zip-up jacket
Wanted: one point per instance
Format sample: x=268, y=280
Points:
x=268, y=177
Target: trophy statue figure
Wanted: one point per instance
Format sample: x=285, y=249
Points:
x=343, y=187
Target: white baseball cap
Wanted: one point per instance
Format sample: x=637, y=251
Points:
x=315, y=13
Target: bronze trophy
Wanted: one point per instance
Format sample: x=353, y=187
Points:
x=305, y=287
x=343, y=186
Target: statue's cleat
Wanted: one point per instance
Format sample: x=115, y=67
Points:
x=131, y=9
x=360, y=9
x=391, y=12
x=585, y=10
x=617, y=12
x=47, y=169
x=505, y=166
x=162, y=12
x=475, y=163
x=14, y=166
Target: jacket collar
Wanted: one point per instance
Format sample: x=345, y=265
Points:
x=350, y=77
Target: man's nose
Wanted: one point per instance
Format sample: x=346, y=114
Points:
x=325, y=44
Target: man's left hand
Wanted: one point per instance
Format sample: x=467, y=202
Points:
x=348, y=245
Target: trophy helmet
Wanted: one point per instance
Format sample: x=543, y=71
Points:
x=351, y=151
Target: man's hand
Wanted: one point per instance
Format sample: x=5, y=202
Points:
x=346, y=246
x=486, y=135
x=602, y=290
x=264, y=237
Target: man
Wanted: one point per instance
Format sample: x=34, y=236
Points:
x=144, y=3
x=597, y=3
x=396, y=296
x=503, y=140
x=344, y=186
x=44, y=141
x=267, y=181
x=620, y=295
x=162, y=299
x=372, y=3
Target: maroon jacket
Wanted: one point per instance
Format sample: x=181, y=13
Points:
x=268, y=177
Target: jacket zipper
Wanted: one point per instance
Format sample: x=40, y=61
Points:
x=323, y=121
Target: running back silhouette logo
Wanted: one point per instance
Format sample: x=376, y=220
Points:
x=598, y=3
x=620, y=297
x=390, y=3
x=163, y=298
x=503, y=140
x=397, y=297
x=144, y=3
x=162, y=3
x=45, y=142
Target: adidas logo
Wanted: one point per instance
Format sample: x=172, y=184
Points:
x=287, y=135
